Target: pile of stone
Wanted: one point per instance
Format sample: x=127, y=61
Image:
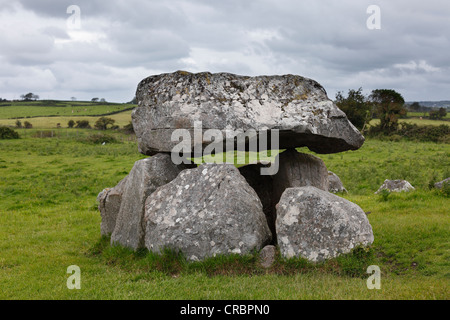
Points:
x=215, y=209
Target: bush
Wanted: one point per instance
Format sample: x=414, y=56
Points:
x=27, y=125
x=18, y=124
x=8, y=133
x=446, y=189
x=103, y=122
x=384, y=194
x=414, y=132
x=71, y=123
x=83, y=124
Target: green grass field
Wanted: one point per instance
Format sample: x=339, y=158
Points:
x=32, y=109
x=49, y=221
x=424, y=114
x=418, y=121
x=121, y=119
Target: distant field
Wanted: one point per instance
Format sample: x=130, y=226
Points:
x=423, y=122
x=121, y=119
x=424, y=114
x=9, y=110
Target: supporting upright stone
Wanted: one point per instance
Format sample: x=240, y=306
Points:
x=318, y=225
x=109, y=201
x=204, y=212
x=145, y=177
x=295, y=170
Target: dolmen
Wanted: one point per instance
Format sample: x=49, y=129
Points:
x=223, y=207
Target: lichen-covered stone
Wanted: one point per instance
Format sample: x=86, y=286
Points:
x=395, y=186
x=334, y=183
x=296, y=106
x=109, y=201
x=144, y=178
x=267, y=256
x=318, y=225
x=298, y=169
x=295, y=170
x=439, y=185
x=207, y=211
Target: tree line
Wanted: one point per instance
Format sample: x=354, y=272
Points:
x=386, y=104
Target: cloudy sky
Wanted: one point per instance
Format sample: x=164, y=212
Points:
x=111, y=45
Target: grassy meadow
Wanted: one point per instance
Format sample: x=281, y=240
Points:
x=49, y=221
x=46, y=108
x=121, y=119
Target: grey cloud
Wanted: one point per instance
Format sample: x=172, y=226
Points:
x=326, y=40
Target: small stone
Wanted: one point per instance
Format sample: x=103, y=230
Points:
x=335, y=184
x=439, y=185
x=395, y=186
x=267, y=256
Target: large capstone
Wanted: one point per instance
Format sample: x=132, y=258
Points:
x=318, y=225
x=145, y=177
x=296, y=106
x=204, y=212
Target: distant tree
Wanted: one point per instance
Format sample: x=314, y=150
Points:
x=27, y=125
x=94, y=99
x=415, y=106
x=103, y=122
x=356, y=107
x=438, y=114
x=71, y=123
x=134, y=101
x=73, y=98
x=102, y=100
x=389, y=106
x=29, y=96
x=18, y=124
x=83, y=124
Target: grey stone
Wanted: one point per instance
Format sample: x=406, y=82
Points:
x=318, y=225
x=207, y=211
x=440, y=184
x=145, y=177
x=396, y=186
x=267, y=256
x=295, y=170
x=335, y=184
x=296, y=106
x=299, y=170
x=263, y=185
x=109, y=201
